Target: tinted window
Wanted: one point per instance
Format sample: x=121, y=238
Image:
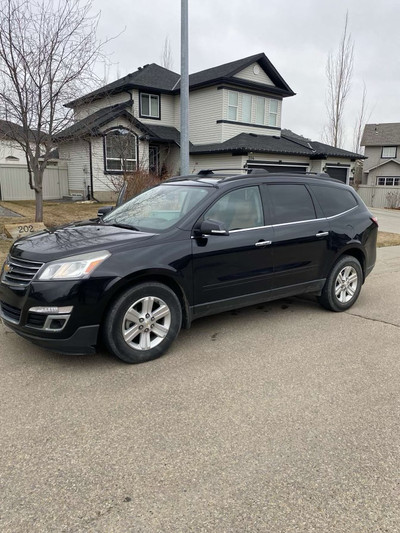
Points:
x=333, y=200
x=290, y=203
x=238, y=209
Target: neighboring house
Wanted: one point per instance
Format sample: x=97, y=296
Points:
x=381, y=171
x=235, y=114
x=14, y=178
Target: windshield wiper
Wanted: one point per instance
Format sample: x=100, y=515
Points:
x=121, y=225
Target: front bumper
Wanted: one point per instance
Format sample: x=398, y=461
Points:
x=83, y=341
x=73, y=333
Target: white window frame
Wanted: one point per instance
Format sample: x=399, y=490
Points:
x=232, y=106
x=150, y=97
x=250, y=100
x=273, y=115
x=389, y=152
x=121, y=160
x=382, y=181
x=260, y=99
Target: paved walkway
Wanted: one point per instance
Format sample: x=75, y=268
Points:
x=4, y=212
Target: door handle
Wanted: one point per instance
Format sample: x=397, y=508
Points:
x=322, y=234
x=263, y=243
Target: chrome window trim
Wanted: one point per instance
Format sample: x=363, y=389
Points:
x=290, y=223
x=342, y=213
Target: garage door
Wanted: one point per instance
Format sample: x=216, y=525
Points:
x=339, y=173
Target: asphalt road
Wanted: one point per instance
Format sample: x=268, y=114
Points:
x=277, y=418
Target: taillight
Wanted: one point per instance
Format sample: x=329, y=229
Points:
x=374, y=219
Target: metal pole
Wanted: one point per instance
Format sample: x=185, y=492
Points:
x=184, y=93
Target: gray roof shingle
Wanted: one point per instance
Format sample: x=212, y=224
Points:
x=92, y=124
x=150, y=76
x=156, y=78
x=381, y=134
x=250, y=142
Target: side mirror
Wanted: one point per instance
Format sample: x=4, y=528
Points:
x=212, y=227
x=102, y=211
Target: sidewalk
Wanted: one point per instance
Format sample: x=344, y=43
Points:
x=387, y=260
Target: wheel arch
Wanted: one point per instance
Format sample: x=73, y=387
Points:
x=358, y=254
x=145, y=276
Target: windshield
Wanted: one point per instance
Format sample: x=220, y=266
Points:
x=158, y=208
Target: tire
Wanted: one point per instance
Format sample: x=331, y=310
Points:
x=143, y=322
x=343, y=285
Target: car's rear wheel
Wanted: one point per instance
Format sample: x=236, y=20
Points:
x=143, y=322
x=343, y=285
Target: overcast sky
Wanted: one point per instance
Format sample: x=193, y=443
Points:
x=295, y=35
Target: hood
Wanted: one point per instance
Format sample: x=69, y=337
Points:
x=74, y=239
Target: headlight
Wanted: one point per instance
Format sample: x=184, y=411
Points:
x=76, y=267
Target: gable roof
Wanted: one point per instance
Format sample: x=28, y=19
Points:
x=387, y=134
x=382, y=164
x=148, y=77
x=156, y=78
x=92, y=124
x=288, y=145
x=224, y=73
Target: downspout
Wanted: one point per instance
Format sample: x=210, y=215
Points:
x=91, y=171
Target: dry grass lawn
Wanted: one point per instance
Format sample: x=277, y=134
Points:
x=57, y=213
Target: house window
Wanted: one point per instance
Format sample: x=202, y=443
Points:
x=260, y=110
x=388, y=181
x=273, y=113
x=149, y=105
x=389, y=152
x=120, y=151
x=233, y=100
x=246, y=108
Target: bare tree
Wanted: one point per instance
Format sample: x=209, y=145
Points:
x=166, y=55
x=48, y=49
x=339, y=70
x=361, y=120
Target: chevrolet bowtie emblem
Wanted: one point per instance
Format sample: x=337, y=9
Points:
x=7, y=268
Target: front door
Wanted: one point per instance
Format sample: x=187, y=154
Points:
x=233, y=269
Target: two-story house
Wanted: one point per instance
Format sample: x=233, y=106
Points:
x=382, y=147
x=235, y=114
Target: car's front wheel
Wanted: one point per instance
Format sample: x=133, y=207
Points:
x=343, y=285
x=143, y=322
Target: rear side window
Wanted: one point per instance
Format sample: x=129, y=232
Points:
x=290, y=203
x=333, y=200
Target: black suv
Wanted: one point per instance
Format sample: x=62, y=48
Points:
x=190, y=247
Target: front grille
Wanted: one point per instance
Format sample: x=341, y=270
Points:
x=20, y=272
x=10, y=312
x=36, y=320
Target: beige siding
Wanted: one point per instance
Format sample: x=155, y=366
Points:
x=390, y=169
x=14, y=182
x=230, y=130
x=374, y=157
x=249, y=75
x=167, y=112
x=205, y=108
x=213, y=161
x=88, y=109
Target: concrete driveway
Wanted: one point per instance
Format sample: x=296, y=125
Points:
x=388, y=219
x=279, y=418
